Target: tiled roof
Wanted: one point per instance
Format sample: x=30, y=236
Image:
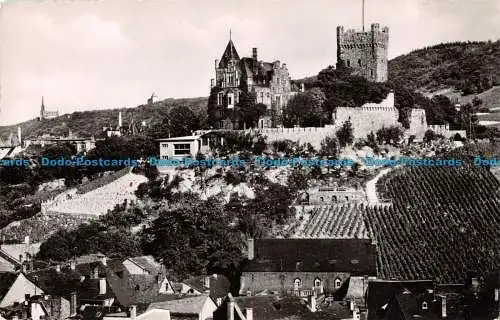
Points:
x=356, y=256
x=229, y=53
x=380, y=292
x=187, y=305
x=7, y=279
x=197, y=283
x=148, y=263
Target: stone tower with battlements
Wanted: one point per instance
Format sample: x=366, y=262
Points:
x=364, y=52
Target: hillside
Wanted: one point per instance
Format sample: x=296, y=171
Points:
x=471, y=67
x=89, y=123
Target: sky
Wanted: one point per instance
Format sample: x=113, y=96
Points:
x=101, y=54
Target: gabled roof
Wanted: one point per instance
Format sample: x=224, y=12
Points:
x=188, y=305
x=355, y=256
x=381, y=292
x=147, y=263
x=7, y=279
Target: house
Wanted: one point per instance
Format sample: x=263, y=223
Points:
x=304, y=266
x=199, y=307
x=143, y=265
x=217, y=286
x=39, y=307
x=279, y=308
x=132, y=314
x=177, y=148
x=14, y=288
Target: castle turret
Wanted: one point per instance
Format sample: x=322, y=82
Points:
x=364, y=52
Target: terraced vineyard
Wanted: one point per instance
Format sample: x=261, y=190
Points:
x=336, y=221
x=443, y=222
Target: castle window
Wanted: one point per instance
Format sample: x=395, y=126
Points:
x=334, y=198
x=371, y=73
x=229, y=100
x=338, y=283
x=348, y=63
x=297, y=283
x=359, y=62
x=220, y=96
x=424, y=305
x=262, y=97
x=321, y=199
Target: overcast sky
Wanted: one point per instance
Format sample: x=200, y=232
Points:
x=98, y=54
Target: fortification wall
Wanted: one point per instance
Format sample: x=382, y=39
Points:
x=312, y=135
x=370, y=117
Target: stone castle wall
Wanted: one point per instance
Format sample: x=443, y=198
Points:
x=370, y=117
x=364, y=52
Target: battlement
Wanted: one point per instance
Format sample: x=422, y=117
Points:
x=364, y=51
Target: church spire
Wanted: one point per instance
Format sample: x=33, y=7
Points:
x=229, y=34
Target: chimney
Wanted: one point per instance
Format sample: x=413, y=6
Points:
x=312, y=303
x=72, y=265
x=249, y=313
x=119, y=119
x=250, y=249
x=104, y=261
x=302, y=87
x=58, y=268
x=230, y=307
x=207, y=282
x=254, y=53
x=216, y=63
x=35, y=311
x=72, y=306
x=133, y=312
x=102, y=286
x=443, y=306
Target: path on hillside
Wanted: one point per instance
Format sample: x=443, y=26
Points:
x=371, y=186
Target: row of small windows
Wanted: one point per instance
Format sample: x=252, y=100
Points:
x=334, y=199
x=182, y=149
x=220, y=98
x=297, y=283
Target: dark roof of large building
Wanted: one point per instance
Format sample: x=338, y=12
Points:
x=355, y=256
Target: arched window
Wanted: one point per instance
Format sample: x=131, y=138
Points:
x=334, y=198
x=359, y=62
x=338, y=283
x=317, y=282
x=321, y=199
x=424, y=305
x=348, y=63
x=371, y=73
x=297, y=283
x=137, y=288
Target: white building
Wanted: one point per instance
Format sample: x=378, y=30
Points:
x=177, y=148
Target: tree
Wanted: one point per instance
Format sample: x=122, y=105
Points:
x=329, y=147
x=306, y=109
x=429, y=135
x=182, y=121
x=390, y=135
x=195, y=239
x=345, y=134
x=248, y=112
x=297, y=180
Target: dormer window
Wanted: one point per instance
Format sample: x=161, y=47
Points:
x=317, y=282
x=424, y=305
x=297, y=283
x=338, y=283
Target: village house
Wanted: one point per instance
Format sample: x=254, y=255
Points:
x=134, y=314
x=15, y=287
x=199, y=307
x=305, y=266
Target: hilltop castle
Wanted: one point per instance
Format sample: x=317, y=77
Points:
x=364, y=52
x=270, y=82
x=46, y=114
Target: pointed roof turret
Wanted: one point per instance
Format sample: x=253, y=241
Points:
x=230, y=53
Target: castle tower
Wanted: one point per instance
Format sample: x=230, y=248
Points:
x=364, y=52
